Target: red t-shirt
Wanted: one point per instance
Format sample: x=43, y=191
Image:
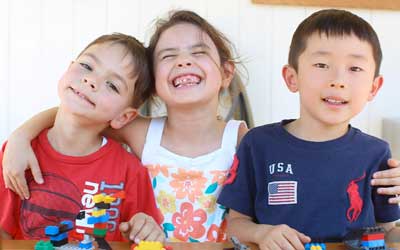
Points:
x=70, y=183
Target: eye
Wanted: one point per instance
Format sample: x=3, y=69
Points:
x=199, y=53
x=167, y=56
x=321, y=65
x=356, y=69
x=112, y=87
x=86, y=66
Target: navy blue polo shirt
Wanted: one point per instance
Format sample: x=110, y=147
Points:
x=321, y=189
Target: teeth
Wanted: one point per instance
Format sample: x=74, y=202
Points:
x=186, y=80
x=333, y=101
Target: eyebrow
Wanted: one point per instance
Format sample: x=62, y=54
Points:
x=324, y=53
x=113, y=74
x=195, y=46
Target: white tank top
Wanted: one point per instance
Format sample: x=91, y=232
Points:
x=186, y=189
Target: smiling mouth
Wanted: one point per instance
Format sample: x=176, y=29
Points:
x=186, y=80
x=81, y=95
x=334, y=101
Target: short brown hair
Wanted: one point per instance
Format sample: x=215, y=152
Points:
x=333, y=22
x=143, y=85
x=222, y=43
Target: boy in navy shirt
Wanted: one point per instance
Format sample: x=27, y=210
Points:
x=309, y=178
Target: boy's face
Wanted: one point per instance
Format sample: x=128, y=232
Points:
x=98, y=85
x=335, y=78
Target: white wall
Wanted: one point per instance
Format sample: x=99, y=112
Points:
x=40, y=37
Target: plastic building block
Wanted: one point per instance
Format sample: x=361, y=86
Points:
x=91, y=227
x=373, y=243
x=315, y=246
x=44, y=245
x=100, y=219
x=149, y=245
x=370, y=238
x=237, y=245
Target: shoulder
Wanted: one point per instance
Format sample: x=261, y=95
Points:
x=260, y=132
x=369, y=144
x=370, y=140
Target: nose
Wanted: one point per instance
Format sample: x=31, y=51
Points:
x=183, y=64
x=337, y=85
x=184, y=60
x=89, y=82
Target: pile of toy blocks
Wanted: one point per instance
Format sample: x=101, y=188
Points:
x=90, y=224
x=373, y=238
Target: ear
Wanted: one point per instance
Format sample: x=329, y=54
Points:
x=227, y=74
x=376, y=85
x=125, y=117
x=289, y=74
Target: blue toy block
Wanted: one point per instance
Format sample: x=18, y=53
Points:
x=51, y=230
x=373, y=243
x=85, y=245
x=64, y=226
x=100, y=219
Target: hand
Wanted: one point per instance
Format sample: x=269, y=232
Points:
x=389, y=177
x=281, y=237
x=19, y=156
x=142, y=227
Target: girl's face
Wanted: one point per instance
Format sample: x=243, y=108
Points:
x=187, y=67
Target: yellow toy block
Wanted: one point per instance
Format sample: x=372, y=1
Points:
x=98, y=213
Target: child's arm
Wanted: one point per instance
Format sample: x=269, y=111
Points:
x=265, y=236
x=19, y=156
x=390, y=178
x=142, y=227
x=392, y=233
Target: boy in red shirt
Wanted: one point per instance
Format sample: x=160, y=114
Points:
x=103, y=87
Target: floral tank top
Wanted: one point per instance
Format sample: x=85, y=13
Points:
x=186, y=189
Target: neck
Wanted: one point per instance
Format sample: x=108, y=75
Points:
x=192, y=132
x=314, y=131
x=72, y=137
x=192, y=123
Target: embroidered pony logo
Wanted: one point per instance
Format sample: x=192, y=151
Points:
x=356, y=203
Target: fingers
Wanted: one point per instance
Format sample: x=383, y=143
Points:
x=136, y=224
x=14, y=179
x=149, y=231
x=142, y=227
x=156, y=235
x=387, y=177
x=35, y=169
x=395, y=200
x=303, y=238
x=393, y=162
x=13, y=186
x=296, y=239
x=124, y=228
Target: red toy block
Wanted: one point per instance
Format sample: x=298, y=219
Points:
x=368, y=237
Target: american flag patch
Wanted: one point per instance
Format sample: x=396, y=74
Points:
x=282, y=192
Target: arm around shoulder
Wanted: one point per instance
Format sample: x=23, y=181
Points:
x=133, y=134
